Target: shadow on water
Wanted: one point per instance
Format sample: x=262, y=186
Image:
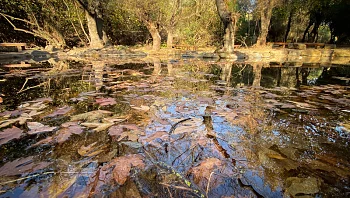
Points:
x=174, y=129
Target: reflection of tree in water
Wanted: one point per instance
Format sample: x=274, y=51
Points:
x=97, y=69
x=334, y=75
x=257, y=74
x=157, y=69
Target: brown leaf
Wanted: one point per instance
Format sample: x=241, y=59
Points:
x=69, y=129
x=129, y=131
x=202, y=172
x=47, y=140
x=105, y=101
x=98, y=126
x=60, y=111
x=20, y=166
x=1, y=100
x=91, y=116
x=156, y=135
x=44, y=100
x=141, y=108
x=36, y=127
x=276, y=156
x=122, y=166
x=91, y=150
x=10, y=134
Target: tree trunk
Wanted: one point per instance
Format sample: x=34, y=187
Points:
x=95, y=38
x=152, y=28
x=314, y=32
x=228, y=20
x=170, y=39
x=265, y=17
x=288, y=25
x=307, y=31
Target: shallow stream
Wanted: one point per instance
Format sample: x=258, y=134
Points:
x=174, y=129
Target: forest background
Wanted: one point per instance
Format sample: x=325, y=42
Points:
x=164, y=23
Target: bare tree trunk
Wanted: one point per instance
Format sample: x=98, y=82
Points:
x=306, y=31
x=228, y=20
x=314, y=32
x=265, y=17
x=288, y=25
x=152, y=28
x=170, y=39
x=95, y=39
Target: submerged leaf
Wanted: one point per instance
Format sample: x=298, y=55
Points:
x=10, y=134
x=129, y=131
x=36, y=127
x=91, y=116
x=45, y=141
x=60, y=111
x=105, y=101
x=69, y=129
x=202, y=172
x=91, y=150
x=20, y=166
x=98, y=126
x=122, y=166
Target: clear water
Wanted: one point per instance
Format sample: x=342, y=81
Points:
x=200, y=128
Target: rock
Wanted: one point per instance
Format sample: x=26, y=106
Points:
x=130, y=147
x=305, y=186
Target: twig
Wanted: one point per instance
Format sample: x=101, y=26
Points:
x=41, y=174
x=177, y=187
x=81, y=23
x=171, y=196
x=208, y=185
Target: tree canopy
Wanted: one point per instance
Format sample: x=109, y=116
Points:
x=167, y=22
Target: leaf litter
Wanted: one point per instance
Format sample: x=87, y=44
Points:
x=195, y=156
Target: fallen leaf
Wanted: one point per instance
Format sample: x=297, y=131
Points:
x=98, y=126
x=60, y=186
x=69, y=129
x=202, y=172
x=122, y=166
x=43, y=100
x=91, y=116
x=129, y=131
x=276, y=156
x=10, y=134
x=20, y=166
x=154, y=136
x=37, y=106
x=1, y=100
x=105, y=101
x=60, y=111
x=36, y=127
x=91, y=150
x=45, y=141
x=141, y=108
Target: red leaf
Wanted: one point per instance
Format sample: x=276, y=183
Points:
x=105, y=101
x=10, y=134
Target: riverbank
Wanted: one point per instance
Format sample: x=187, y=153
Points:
x=266, y=54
